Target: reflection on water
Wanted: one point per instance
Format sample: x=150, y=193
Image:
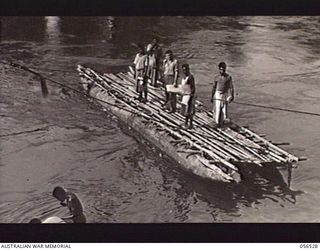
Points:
x=229, y=199
x=53, y=29
x=110, y=20
x=117, y=175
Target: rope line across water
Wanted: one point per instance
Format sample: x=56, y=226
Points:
x=82, y=93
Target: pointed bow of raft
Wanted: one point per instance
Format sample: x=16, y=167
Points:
x=208, y=152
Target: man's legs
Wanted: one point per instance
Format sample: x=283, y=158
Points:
x=138, y=78
x=189, y=118
x=145, y=90
x=155, y=77
x=224, y=111
x=168, y=80
x=191, y=110
x=173, y=102
x=140, y=98
x=217, y=110
x=137, y=85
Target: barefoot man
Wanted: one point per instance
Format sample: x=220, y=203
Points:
x=222, y=94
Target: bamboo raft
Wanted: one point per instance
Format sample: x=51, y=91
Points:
x=212, y=153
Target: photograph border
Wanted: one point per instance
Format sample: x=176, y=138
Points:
x=164, y=232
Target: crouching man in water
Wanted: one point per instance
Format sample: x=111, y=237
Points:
x=70, y=200
x=222, y=85
x=141, y=63
x=188, y=97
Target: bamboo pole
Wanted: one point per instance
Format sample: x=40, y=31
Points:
x=174, y=119
x=225, y=146
x=273, y=152
x=243, y=142
x=290, y=156
x=199, y=138
x=196, y=145
x=224, y=140
x=216, y=171
x=255, y=153
x=170, y=118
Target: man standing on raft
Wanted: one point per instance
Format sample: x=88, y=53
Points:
x=188, y=96
x=157, y=51
x=171, y=72
x=141, y=62
x=221, y=97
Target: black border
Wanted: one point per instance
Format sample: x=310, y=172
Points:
x=158, y=7
x=159, y=233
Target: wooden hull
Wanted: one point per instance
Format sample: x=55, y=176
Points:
x=200, y=150
x=161, y=140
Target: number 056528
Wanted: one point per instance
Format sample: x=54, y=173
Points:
x=308, y=246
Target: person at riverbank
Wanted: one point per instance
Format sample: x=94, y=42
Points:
x=141, y=66
x=222, y=94
x=188, y=96
x=157, y=51
x=170, y=72
x=73, y=203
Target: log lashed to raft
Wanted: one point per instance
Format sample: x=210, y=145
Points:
x=208, y=152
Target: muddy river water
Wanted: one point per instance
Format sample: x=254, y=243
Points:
x=66, y=140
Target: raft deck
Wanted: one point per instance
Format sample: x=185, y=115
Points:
x=204, y=150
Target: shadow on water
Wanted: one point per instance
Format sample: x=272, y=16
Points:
x=257, y=185
x=269, y=180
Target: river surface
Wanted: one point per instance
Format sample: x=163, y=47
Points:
x=66, y=140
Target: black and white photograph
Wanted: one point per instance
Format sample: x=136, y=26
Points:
x=159, y=119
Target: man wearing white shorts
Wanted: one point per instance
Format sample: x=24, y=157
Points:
x=222, y=94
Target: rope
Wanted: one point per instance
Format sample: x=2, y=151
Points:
x=45, y=90
x=58, y=70
x=281, y=109
x=44, y=87
x=275, y=108
x=45, y=93
x=91, y=97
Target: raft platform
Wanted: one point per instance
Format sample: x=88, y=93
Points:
x=208, y=152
